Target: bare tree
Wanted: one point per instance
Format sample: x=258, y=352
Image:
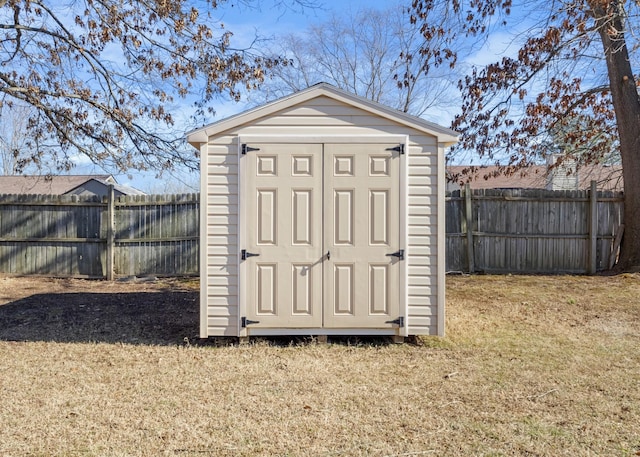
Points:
x=14, y=154
x=103, y=78
x=372, y=53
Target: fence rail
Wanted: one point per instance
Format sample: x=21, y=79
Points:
x=99, y=237
x=493, y=231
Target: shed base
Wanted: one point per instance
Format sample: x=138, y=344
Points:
x=323, y=331
x=324, y=339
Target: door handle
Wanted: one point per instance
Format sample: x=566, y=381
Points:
x=328, y=255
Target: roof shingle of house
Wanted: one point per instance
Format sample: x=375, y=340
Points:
x=56, y=185
x=607, y=177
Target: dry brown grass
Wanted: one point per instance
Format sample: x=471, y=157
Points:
x=539, y=366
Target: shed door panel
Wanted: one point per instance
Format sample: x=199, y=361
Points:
x=283, y=194
x=361, y=227
x=304, y=201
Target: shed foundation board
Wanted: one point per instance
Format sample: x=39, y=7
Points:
x=320, y=331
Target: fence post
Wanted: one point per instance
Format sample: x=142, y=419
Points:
x=110, y=232
x=468, y=222
x=593, y=228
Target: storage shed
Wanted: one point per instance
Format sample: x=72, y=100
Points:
x=322, y=213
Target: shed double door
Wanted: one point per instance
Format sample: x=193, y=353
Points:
x=322, y=227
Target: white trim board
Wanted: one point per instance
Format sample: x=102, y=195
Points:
x=403, y=235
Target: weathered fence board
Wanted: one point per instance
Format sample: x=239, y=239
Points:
x=157, y=236
x=70, y=236
x=531, y=231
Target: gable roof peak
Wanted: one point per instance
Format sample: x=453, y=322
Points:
x=201, y=135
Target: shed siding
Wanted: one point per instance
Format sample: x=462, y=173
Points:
x=322, y=117
x=221, y=254
x=315, y=130
x=422, y=233
x=316, y=116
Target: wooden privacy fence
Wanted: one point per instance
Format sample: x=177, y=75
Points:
x=493, y=231
x=533, y=231
x=99, y=237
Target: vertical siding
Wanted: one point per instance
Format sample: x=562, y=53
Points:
x=51, y=235
x=67, y=235
x=220, y=259
x=156, y=234
x=531, y=231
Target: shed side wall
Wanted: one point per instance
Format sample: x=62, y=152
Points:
x=422, y=234
x=326, y=117
x=220, y=302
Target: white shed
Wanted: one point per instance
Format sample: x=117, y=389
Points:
x=322, y=213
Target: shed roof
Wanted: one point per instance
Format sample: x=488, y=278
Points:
x=444, y=135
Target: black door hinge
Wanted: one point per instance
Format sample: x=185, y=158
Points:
x=246, y=148
x=399, y=148
x=244, y=254
x=399, y=321
x=246, y=322
x=399, y=254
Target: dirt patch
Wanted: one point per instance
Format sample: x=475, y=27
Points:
x=146, y=311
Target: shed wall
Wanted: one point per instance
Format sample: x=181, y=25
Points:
x=320, y=117
x=219, y=291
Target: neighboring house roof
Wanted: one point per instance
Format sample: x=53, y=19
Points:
x=445, y=136
x=99, y=187
x=53, y=185
x=59, y=184
x=608, y=177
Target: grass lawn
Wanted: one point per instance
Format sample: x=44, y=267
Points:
x=530, y=366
